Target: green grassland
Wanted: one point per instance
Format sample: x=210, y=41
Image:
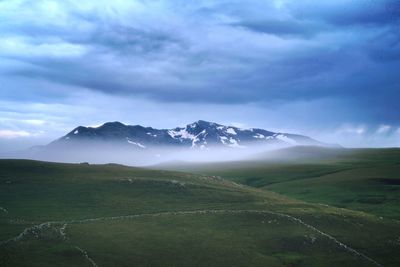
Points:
x=110, y=215
x=361, y=179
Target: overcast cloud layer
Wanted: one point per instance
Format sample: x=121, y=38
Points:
x=329, y=69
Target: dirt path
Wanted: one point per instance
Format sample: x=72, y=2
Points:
x=85, y=254
x=34, y=230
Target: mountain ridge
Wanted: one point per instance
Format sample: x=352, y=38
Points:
x=200, y=134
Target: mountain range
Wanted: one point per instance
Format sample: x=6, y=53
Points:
x=198, y=135
x=136, y=145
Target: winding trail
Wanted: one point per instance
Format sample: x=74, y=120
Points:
x=85, y=254
x=35, y=229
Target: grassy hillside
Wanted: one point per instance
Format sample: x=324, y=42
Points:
x=109, y=215
x=360, y=179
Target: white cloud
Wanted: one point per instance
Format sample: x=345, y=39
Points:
x=9, y=134
x=362, y=135
x=351, y=129
x=51, y=47
x=34, y=122
x=383, y=129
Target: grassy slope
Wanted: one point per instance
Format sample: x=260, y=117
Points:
x=68, y=194
x=361, y=179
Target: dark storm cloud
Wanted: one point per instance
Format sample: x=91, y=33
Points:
x=225, y=52
x=283, y=27
x=348, y=13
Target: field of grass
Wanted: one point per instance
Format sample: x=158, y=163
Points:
x=361, y=179
x=55, y=214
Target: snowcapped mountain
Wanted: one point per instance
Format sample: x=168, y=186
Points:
x=200, y=134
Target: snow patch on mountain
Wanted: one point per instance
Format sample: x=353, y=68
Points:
x=135, y=143
x=234, y=143
x=181, y=133
x=196, y=138
x=153, y=135
x=259, y=136
x=231, y=131
x=224, y=140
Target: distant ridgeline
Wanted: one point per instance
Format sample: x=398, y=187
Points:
x=137, y=145
x=200, y=134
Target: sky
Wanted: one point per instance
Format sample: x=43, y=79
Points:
x=327, y=69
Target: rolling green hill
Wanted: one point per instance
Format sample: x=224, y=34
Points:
x=110, y=215
x=360, y=179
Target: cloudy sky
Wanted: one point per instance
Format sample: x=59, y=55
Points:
x=328, y=69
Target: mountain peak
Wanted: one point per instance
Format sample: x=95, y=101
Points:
x=202, y=124
x=112, y=124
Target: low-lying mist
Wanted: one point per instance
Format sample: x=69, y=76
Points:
x=100, y=153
